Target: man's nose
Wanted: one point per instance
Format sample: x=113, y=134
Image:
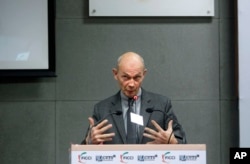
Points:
x=131, y=83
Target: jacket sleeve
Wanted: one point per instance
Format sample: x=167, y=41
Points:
x=177, y=128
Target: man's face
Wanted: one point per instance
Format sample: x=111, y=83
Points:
x=129, y=77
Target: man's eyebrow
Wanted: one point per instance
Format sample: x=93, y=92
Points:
x=138, y=74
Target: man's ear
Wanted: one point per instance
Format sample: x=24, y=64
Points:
x=144, y=72
x=115, y=72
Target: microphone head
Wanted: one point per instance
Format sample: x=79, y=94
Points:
x=149, y=110
x=135, y=98
x=118, y=113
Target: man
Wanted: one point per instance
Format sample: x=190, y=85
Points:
x=149, y=119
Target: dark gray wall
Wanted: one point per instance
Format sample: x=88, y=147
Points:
x=191, y=60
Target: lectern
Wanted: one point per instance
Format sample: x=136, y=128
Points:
x=140, y=153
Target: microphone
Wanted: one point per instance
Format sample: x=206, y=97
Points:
x=150, y=110
x=133, y=100
x=116, y=113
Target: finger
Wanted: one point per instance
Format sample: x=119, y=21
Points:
x=170, y=126
x=105, y=128
x=149, y=136
x=101, y=124
x=150, y=131
x=91, y=121
x=157, y=126
x=103, y=137
x=97, y=134
x=157, y=139
x=108, y=135
x=152, y=142
x=96, y=131
x=101, y=141
x=154, y=135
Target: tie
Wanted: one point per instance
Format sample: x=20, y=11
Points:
x=131, y=127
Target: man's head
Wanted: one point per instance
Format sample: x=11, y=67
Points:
x=130, y=72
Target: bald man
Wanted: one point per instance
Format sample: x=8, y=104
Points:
x=148, y=114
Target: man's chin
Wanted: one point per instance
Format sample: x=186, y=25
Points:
x=130, y=94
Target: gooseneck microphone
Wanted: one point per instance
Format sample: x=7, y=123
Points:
x=150, y=110
x=116, y=113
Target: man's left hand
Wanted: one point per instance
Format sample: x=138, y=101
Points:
x=160, y=136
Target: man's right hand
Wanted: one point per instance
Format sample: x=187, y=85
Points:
x=97, y=134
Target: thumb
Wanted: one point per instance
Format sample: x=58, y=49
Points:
x=170, y=125
x=91, y=121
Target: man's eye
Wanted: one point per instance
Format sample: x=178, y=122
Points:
x=137, y=78
x=125, y=77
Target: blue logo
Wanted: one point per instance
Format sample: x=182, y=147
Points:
x=143, y=158
x=189, y=157
x=101, y=158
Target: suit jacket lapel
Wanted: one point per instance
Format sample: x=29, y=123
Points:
x=118, y=120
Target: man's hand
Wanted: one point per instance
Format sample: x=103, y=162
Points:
x=96, y=133
x=160, y=136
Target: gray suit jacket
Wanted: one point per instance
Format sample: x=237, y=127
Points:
x=148, y=101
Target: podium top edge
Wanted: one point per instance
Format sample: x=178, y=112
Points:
x=76, y=147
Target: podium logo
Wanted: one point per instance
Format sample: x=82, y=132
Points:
x=143, y=158
x=167, y=157
x=100, y=158
x=189, y=157
x=82, y=158
x=124, y=158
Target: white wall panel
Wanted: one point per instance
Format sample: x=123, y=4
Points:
x=244, y=67
x=151, y=8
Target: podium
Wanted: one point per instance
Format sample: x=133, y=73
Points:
x=139, y=153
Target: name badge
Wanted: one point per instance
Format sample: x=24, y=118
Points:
x=135, y=118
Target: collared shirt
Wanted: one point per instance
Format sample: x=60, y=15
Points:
x=136, y=106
